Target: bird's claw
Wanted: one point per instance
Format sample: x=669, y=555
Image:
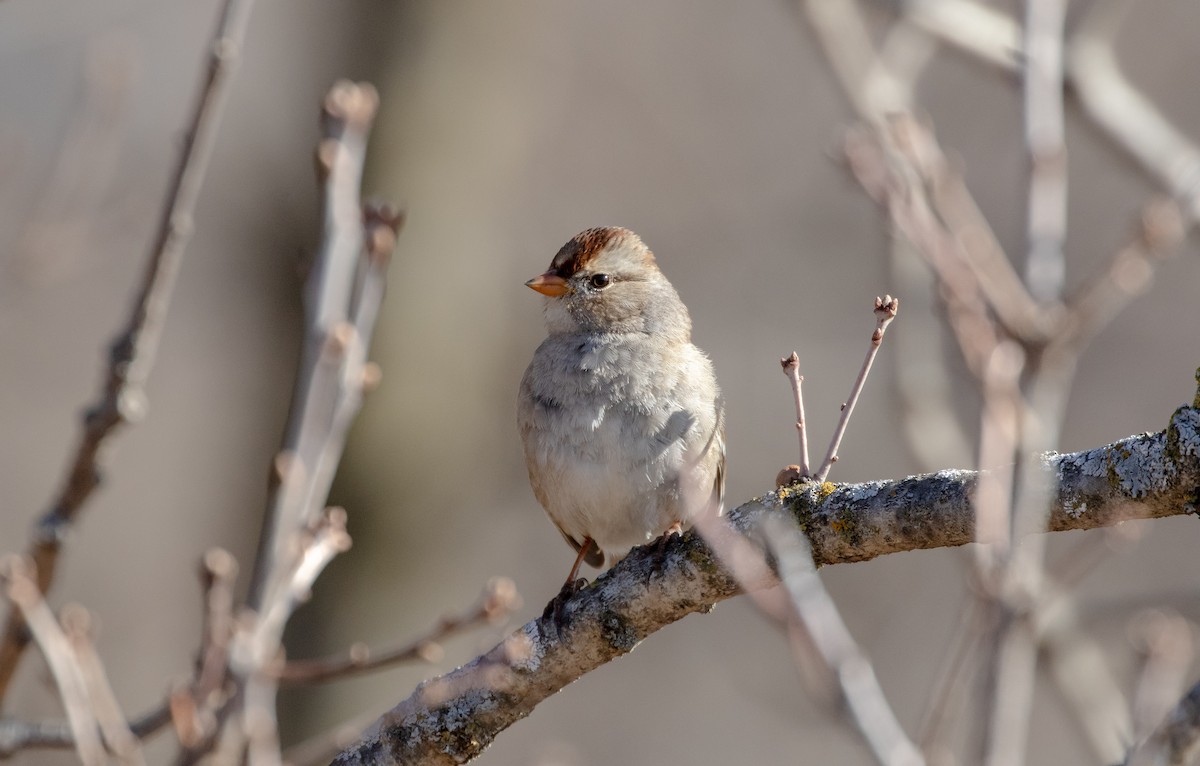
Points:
x=661, y=548
x=555, y=612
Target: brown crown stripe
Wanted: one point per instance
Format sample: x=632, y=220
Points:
x=582, y=248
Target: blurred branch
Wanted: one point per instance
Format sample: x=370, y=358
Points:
x=77, y=625
x=1110, y=100
x=453, y=718
x=498, y=600
x=300, y=534
x=23, y=592
x=1129, y=118
x=132, y=353
x=818, y=616
x=1177, y=739
x=17, y=735
x=342, y=297
x=1046, y=149
x=1164, y=642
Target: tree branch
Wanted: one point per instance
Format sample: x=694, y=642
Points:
x=453, y=718
x=132, y=353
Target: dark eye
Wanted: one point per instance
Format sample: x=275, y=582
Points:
x=599, y=281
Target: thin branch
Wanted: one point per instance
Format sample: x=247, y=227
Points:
x=885, y=312
x=819, y=618
x=132, y=353
x=791, y=368
x=1046, y=148
x=330, y=379
x=971, y=27
x=497, y=601
x=23, y=592
x=342, y=299
x=17, y=735
x=77, y=624
x=195, y=707
x=1137, y=477
x=254, y=649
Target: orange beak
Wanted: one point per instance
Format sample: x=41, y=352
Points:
x=549, y=284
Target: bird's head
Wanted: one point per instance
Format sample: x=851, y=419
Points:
x=606, y=280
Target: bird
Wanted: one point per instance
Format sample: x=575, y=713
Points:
x=621, y=418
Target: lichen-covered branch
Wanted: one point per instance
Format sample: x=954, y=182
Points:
x=451, y=719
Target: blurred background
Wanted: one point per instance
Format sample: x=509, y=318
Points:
x=712, y=129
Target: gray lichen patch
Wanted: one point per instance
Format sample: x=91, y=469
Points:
x=864, y=491
x=1090, y=463
x=1140, y=467
x=1186, y=424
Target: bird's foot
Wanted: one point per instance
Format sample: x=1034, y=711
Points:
x=555, y=611
x=661, y=547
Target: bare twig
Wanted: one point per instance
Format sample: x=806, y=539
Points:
x=819, y=617
x=132, y=353
x=77, y=624
x=885, y=312
x=1046, y=148
x=255, y=648
x=23, y=592
x=791, y=368
x=497, y=601
x=340, y=309
x=979, y=30
x=195, y=707
x=17, y=735
x=300, y=536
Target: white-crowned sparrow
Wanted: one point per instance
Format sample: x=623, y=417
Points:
x=620, y=414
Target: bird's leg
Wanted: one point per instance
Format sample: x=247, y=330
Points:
x=555, y=610
x=660, y=546
x=583, y=552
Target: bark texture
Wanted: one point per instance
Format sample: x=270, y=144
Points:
x=453, y=718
